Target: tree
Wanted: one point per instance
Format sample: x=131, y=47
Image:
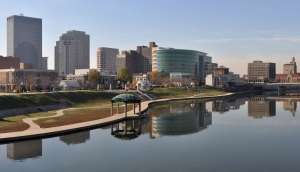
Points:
x=196, y=81
x=125, y=75
x=156, y=77
x=94, y=78
x=134, y=83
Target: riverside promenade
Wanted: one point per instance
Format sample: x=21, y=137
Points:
x=35, y=131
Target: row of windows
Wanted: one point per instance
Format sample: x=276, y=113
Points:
x=175, y=52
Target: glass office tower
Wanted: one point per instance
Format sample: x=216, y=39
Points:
x=179, y=60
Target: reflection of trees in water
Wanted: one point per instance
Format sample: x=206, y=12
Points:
x=24, y=150
x=76, y=138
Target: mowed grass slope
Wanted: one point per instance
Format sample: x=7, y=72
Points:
x=25, y=100
x=81, y=99
x=178, y=92
x=74, y=116
x=13, y=124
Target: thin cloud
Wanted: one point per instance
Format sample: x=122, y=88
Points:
x=269, y=39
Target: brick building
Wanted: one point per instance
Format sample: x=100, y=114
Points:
x=9, y=63
x=28, y=77
x=220, y=71
x=146, y=56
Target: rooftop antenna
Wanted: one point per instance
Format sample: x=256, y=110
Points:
x=69, y=27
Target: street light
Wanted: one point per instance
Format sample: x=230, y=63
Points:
x=21, y=87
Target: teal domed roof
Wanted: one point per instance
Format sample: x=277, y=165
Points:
x=128, y=98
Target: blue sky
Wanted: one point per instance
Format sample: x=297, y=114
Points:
x=233, y=32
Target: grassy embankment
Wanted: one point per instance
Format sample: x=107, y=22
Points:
x=177, y=92
x=91, y=106
x=14, y=124
x=25, y=100
x=74, y=116
x=95, y=105
x=78, y=99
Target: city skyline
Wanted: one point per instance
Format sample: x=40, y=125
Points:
x=234, y=33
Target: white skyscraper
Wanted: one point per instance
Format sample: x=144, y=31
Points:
x=24, y=39
x=72, y=51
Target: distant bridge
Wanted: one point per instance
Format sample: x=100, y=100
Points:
x=280, y=87
x=297, y=84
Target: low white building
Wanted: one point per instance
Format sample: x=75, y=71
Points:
x=225, y=80
x=143, y=84
x=69, y=85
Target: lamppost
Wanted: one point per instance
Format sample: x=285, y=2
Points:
x=21, y=87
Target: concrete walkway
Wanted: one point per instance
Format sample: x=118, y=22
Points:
x=35, y=131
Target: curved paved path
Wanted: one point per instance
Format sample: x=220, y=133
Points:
x=35, y=131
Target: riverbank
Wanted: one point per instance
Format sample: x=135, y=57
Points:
x=36, y=131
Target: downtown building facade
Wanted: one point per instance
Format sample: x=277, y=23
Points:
x=31, y=76
x=131, y=60
x=44, y=63
x=290, y=67
x=106, y=59
x=261, y=72
x=24, y=39
x=145, y=53
x=71, y=52
x=139, y=61
x=189, y=62
x=13, y=73
x=290, y=74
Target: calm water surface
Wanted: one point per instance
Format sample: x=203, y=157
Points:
x=233, y=134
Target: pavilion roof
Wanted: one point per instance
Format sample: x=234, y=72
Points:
x=125, y=98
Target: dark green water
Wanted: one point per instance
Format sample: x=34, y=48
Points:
x=233, y=134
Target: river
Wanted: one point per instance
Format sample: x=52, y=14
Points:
x=240, y=133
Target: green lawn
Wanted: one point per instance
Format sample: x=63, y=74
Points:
x=13, y=124
x=87, y=98
x=25, y=100
x=177, y=92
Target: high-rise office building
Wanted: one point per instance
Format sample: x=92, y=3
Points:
x=72, y=51
x=208, y=69
x=145, y=58
x=106, y=59
x=130, y=60
x=24, y=39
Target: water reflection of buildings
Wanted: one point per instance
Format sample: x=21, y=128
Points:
x=76, y=138
x=24, y=150
x=179, y=120
x=259, y=107
x=289, y=104
x=225, y=105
